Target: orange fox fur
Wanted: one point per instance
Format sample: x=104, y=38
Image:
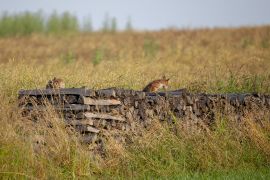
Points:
x=55, y=83
x=155, y=85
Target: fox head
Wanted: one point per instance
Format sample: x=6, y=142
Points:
x=165, y=82
x=55, y=83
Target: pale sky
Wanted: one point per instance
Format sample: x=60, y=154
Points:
x=155, y=14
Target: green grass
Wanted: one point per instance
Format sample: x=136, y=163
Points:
x=195, y=154
x=211, y=61
x=229, y=150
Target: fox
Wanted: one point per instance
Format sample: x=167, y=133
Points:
x=55, y=83
x=155, y=85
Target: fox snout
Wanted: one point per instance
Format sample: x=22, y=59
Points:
x=165, y=86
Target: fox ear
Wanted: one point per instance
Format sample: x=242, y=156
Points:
x=167, y=79
x=164, y=77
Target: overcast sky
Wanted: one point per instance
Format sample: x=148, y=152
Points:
x=155, y=14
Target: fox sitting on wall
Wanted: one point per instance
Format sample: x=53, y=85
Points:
x=155, y=85
x=55, y=83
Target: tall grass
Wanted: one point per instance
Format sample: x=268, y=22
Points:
x=188, y=150
x=212, y=61
x=35, y=150
x=184, y=150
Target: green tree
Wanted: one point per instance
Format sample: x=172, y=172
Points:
x=129, y=26
x=113, y=25
x=87, y=25
x=106, y=24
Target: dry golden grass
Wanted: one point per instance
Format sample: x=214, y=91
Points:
x=205, y=60
x=213, y=61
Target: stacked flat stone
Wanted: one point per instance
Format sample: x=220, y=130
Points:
x=93, y=112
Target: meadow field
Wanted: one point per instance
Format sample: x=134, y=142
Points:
x=220, y=60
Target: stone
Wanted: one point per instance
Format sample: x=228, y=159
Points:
x=96, y=123
x=120, y=126
x=80, y=115
x=70, y=99
x=103, y=123
x=136, y=104
x=115, y=110
x=107, y=93
x=139, y=95
x=127, y=101
x=149, y=113
x=103, y=116
x=86, y=128
x=89, y=138
x=79, y=122
x=113, y=123
x=99, y=102
x=65, y=91
x=189, y=100
x=129, y=115
x=69, y=115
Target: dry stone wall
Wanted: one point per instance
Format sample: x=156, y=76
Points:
x=115, y=111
